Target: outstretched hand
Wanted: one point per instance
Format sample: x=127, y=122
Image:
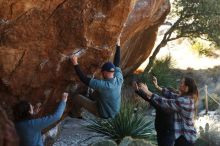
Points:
x=155, y=81
x=156, y=84
x=145, y=89
x=119, y=40
x=140, y=86
x=64, y=96
x=135, y=86
x=37, y=108
x=74, y=60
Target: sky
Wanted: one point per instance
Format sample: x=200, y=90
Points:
x=183, y=55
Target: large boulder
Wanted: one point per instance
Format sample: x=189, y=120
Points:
x=8, y=136
x=36, y=36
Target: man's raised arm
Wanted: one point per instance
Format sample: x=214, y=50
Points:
x=117, y=53
x=81, y=75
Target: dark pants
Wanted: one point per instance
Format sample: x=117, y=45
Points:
x=181, y=141
x=165, y=139
x=80, y=101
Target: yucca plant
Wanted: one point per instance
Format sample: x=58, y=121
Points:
x=162, y=69
x=127, y=123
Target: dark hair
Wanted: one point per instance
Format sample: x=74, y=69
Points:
x=192, y=88
x=21, y=111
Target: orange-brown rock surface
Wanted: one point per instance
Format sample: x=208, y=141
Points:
x=35, y=36
x=8, y=136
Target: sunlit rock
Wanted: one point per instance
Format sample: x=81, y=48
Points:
x=37, y=37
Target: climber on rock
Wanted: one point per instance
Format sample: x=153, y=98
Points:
x=28, y=128
x=107, y=104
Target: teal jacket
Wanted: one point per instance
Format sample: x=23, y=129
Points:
x=109, y=99
x=29, y=131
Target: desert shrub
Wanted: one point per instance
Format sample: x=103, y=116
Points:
x=127, y=123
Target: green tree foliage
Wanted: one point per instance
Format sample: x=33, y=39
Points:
x=204, y=48
x=194, y=19
x=197, y=18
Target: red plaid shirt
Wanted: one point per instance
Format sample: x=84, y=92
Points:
x=183, y=108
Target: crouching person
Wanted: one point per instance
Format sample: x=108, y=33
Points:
x=29, y=129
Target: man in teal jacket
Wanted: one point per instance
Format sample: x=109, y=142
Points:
x=29, y=129
x=107, y=104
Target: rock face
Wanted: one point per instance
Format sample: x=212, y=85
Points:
x=8, y=136
x=36, y=36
